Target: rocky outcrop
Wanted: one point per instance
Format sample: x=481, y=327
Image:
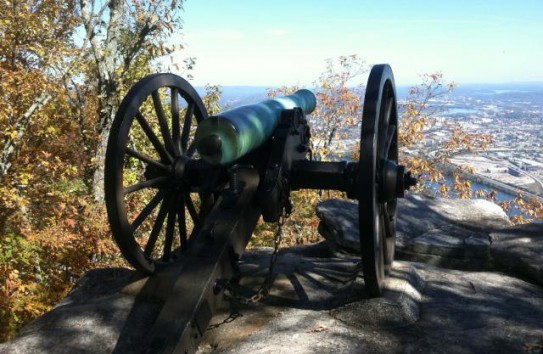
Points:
x=96, y=317
x=442, y=232
x=425, y=309
x=459, y=234
x=519, y=250
x=319, y=303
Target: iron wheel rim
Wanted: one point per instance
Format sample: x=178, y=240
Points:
x=171, y=146
x=378, y=143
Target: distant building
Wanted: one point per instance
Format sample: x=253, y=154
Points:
x=513, y=172
x=497, y=169
x=529, y=164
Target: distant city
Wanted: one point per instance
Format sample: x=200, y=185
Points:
x=511, y=113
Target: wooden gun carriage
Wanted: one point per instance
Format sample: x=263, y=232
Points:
x=184, y=191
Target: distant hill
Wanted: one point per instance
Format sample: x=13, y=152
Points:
x=234, y=96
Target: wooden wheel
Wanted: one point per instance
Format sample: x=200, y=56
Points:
x=153, y=210
x=380, y=178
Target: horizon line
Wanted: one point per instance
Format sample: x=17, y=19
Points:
x=459, y=84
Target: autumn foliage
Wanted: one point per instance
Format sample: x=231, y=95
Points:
x=60, y=83
x=40, y=246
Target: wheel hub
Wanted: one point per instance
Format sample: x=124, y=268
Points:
x=180, y=166
x=151, y=172
x=395, y=181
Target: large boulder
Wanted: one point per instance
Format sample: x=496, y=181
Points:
x=316, y=307
x=319, y=303
x=453, y=233
x=96, y=317
x=519, y=249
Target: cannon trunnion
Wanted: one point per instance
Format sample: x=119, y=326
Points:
x=184, y=191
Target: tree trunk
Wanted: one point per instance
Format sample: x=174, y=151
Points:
x=99, y=163
x=107, y=113
x=109, y=82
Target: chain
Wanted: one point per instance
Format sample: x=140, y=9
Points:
x=266, y=285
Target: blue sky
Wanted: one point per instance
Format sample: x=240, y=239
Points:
x=251, y=42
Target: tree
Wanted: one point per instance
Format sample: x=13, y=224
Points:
x=33, y=50
x=339, y=107
x=429, y=160
x=124, y=38
x=37, y=141
x=35, y=38
x=63, y=67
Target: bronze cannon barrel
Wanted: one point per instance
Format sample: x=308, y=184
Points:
x=226, y=137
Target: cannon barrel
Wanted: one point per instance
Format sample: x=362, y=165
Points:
x=230, y=135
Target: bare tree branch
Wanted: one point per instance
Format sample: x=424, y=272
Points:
x=145, y=31
x=20, y=127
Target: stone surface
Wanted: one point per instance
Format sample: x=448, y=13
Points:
x=97, y=317
x=437, y=243
x=319, y=304
x=339, y=223
x=425, y=309
x=459, y=234
x=477, y=247
x=418, y=213
x=519, y=249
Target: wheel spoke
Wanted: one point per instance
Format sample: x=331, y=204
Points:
x=384, y=123
x=157, y=226
x=186, y=126
x=176, y=130
x=182, y=220
x=391, y=131
x=386, y=221
x=147, y=210
x=389, y=103
x=192, y=210
x=170, y=228
x=191, y=149
x=154, y=182
x=206, y=203
x=147, y=159
x=162, y=121
x=164, y=154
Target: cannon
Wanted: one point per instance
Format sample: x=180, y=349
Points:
x=184, y=191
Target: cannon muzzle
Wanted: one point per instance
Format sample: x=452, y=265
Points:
x=230, y=135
